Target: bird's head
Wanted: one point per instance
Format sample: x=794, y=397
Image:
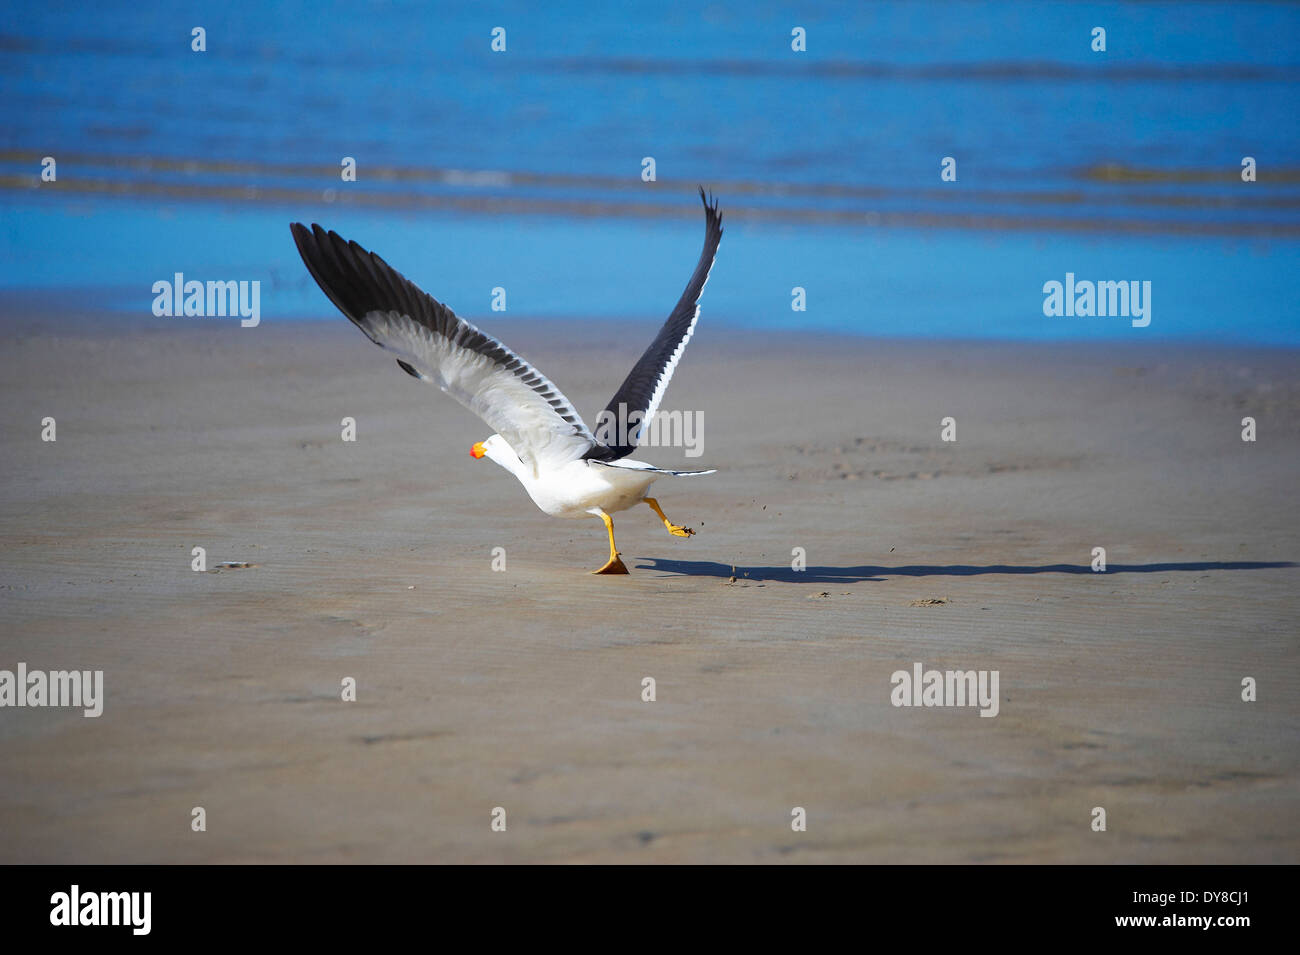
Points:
x=498, y=450
x=494, y=447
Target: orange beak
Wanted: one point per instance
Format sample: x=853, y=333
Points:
x=478, y=450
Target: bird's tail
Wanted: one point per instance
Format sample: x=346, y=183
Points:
x=678, y=473
x=627, y=465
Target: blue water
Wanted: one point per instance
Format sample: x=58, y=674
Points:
x=522, y=169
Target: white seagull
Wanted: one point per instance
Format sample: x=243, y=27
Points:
x=540, y=438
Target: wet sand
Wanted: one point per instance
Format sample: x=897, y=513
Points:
x=522, y=689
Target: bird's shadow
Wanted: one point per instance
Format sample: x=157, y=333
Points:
x=853, y=575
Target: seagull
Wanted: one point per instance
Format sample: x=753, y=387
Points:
x=539, y=438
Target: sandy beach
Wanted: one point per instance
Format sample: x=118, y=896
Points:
x=522, y=688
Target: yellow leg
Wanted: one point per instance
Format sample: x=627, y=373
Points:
x=614, y=565
x=675, y=529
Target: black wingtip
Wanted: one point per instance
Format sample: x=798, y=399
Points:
x=301, y=231
x=710, y=207
x=302, y=238
x=713, y=217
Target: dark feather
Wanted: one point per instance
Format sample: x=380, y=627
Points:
x=656, y=364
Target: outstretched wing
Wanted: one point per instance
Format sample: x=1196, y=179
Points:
x=431, y=343
x=644, y=387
